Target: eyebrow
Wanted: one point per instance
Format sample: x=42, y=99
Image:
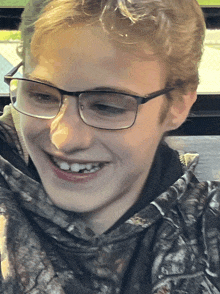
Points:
x=115, y=89
x=103, y=88
x=41, y=80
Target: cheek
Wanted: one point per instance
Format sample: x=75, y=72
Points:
x=139, y=143
x=135, y=147
x=147, y=129
x=33, y=130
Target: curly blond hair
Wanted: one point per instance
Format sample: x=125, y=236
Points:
x=173, y=28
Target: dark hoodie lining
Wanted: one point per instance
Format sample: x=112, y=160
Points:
x=166, y=169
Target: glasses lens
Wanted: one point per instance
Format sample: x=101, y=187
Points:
x=34, y=98
x=107, y=110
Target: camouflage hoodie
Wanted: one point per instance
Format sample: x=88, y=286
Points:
x=169, y=246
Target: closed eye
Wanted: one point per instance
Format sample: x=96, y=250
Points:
x=107, y=109
x=43, y=98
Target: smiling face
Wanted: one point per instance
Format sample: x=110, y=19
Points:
x=117, y=162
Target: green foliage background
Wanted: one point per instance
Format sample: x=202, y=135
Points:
x=22, y=3
x=10, y=35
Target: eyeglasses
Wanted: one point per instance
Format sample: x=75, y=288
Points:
x=110, y=110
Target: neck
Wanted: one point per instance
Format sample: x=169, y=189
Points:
x=103, y=219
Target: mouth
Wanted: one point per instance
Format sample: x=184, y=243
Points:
x=77, y=168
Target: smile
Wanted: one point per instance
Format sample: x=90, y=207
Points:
x=77, y=167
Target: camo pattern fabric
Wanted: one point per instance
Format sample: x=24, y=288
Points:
x=170, y=246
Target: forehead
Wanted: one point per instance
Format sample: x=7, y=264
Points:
x=88, y=53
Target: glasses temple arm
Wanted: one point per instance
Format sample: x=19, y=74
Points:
x=12, y=72
x=155, y=94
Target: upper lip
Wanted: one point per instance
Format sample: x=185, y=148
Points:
x=80, y=161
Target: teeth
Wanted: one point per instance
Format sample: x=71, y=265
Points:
x=88, y=166
x=74, y=167
x=64, y=165
x=77, y=167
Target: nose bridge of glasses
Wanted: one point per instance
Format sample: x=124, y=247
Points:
x=69, y=109
x=67, y=97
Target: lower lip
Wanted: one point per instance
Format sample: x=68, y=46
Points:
x=71, y=177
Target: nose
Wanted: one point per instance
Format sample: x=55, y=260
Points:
x=68, y=132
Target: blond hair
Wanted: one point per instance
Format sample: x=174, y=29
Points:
x=174, y=28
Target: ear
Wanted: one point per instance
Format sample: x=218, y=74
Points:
x=179, y=110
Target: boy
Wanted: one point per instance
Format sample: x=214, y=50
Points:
x=96, y=202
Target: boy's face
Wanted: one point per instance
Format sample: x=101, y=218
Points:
x=80, y=59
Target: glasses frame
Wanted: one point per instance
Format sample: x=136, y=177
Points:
x=140, y=99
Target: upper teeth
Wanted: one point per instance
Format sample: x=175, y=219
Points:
x=76, y=167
